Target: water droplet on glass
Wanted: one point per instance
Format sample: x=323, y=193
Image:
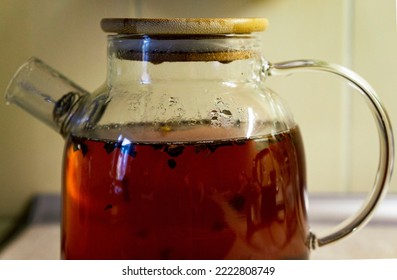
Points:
x=226, y=113
x=214, y=115
x=181, y=112
x=172, y=101
x=219, y=101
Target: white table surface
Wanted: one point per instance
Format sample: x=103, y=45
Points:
x=378, y=240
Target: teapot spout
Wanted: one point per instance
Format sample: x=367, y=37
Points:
x=46, y=94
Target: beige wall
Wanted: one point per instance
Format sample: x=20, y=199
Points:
x=339, y=134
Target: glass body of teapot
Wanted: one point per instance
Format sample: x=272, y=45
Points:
x=184, y=153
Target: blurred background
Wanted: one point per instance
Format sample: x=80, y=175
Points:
x=340, y=137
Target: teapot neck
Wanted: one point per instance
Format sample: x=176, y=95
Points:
x=145, y=59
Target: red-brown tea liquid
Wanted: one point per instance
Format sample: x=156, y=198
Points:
x=234, y=199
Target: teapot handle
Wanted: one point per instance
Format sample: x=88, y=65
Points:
x=385, y=166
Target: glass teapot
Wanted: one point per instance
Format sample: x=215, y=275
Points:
x=184, y=153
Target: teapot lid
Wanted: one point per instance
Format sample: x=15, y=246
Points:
x=187, y=26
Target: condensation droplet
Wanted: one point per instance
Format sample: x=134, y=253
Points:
x=226, y=113
x=219, y=101
x=172, y=101
x=181, y=112
x=214, y=114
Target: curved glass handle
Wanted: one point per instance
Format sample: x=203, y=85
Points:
x=386, y=158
